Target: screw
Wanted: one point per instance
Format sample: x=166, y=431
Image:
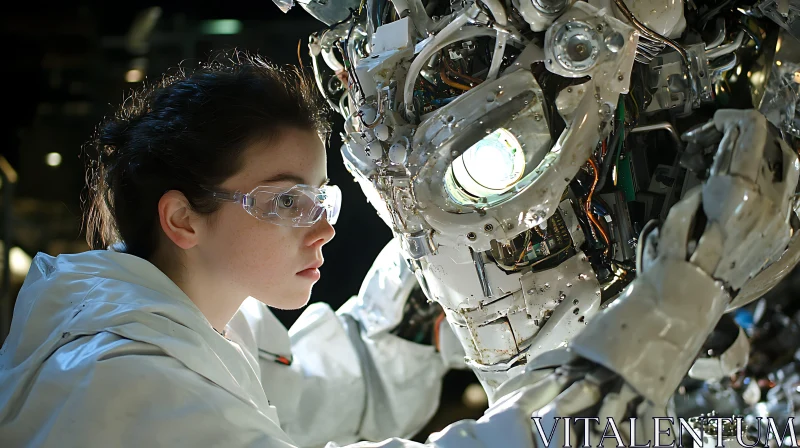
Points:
x=620, y=77
x=488, y=227
x=471, y=236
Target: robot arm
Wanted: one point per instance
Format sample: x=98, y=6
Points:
x=634, y=355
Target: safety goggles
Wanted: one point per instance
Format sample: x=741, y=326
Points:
x=296, y=206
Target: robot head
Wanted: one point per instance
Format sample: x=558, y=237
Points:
x=454, y=131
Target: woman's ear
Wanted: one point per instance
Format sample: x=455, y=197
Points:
x=178, y=220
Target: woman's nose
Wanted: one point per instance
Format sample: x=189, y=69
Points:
x=321, y=232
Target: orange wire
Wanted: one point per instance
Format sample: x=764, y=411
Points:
x=604, y=148
x=450, y=82
x=588, y=205
x=458, y=72
x=436, y=326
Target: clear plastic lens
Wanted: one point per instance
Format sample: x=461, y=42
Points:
x=495, y=162
x=299, y=206
x=489, y=167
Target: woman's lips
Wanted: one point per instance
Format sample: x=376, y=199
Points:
x=310, y=273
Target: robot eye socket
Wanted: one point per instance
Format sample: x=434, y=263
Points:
x=489, y=167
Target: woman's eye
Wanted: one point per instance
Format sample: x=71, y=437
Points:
x=286, y=201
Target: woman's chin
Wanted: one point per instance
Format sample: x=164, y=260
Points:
x=290, y=301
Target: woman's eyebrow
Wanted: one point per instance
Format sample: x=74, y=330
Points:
x=284, y=177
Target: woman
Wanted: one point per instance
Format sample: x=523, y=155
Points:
x=212, y=188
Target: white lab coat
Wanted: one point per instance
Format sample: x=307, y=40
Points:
x=105, y=350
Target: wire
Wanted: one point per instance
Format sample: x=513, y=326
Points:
x=617, y=141
x=601, y=211
x=635, y=106
x=458, y=72
x=652, y=34
x=450, y=82
x=442, y=73
x=436, y=324
x=588, y=208
x=525, y=250
x=551, y=256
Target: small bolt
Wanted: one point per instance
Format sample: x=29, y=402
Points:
x=488, y=227
x=620, y=77
x=471, y=236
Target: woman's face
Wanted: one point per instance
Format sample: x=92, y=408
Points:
x=275, y=264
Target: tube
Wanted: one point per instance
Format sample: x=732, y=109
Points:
x=497, y=56
x=728, y=48
x=623, y=8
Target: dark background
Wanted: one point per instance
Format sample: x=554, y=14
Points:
x=64, y=69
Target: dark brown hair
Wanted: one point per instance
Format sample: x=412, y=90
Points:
x=187, y=133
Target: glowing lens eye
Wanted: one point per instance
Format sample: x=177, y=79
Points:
x=489, y=167
x=496, y=161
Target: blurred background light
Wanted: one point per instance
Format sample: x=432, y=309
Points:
x=53, y=159
x=134, y=75
x=225, y=26
x=475, y=397
x=19, y=262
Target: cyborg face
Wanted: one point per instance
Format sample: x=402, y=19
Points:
x=470, y=133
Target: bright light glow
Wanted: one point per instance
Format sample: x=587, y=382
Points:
x=53, y=159
x=778, y=63
x=134, y=75
x=797, y=77
x=221, y=27
x=19, y=262
x=490, y=166
x=738, y=69
x=778, y=45
x=475, y=396
x=757, y=79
